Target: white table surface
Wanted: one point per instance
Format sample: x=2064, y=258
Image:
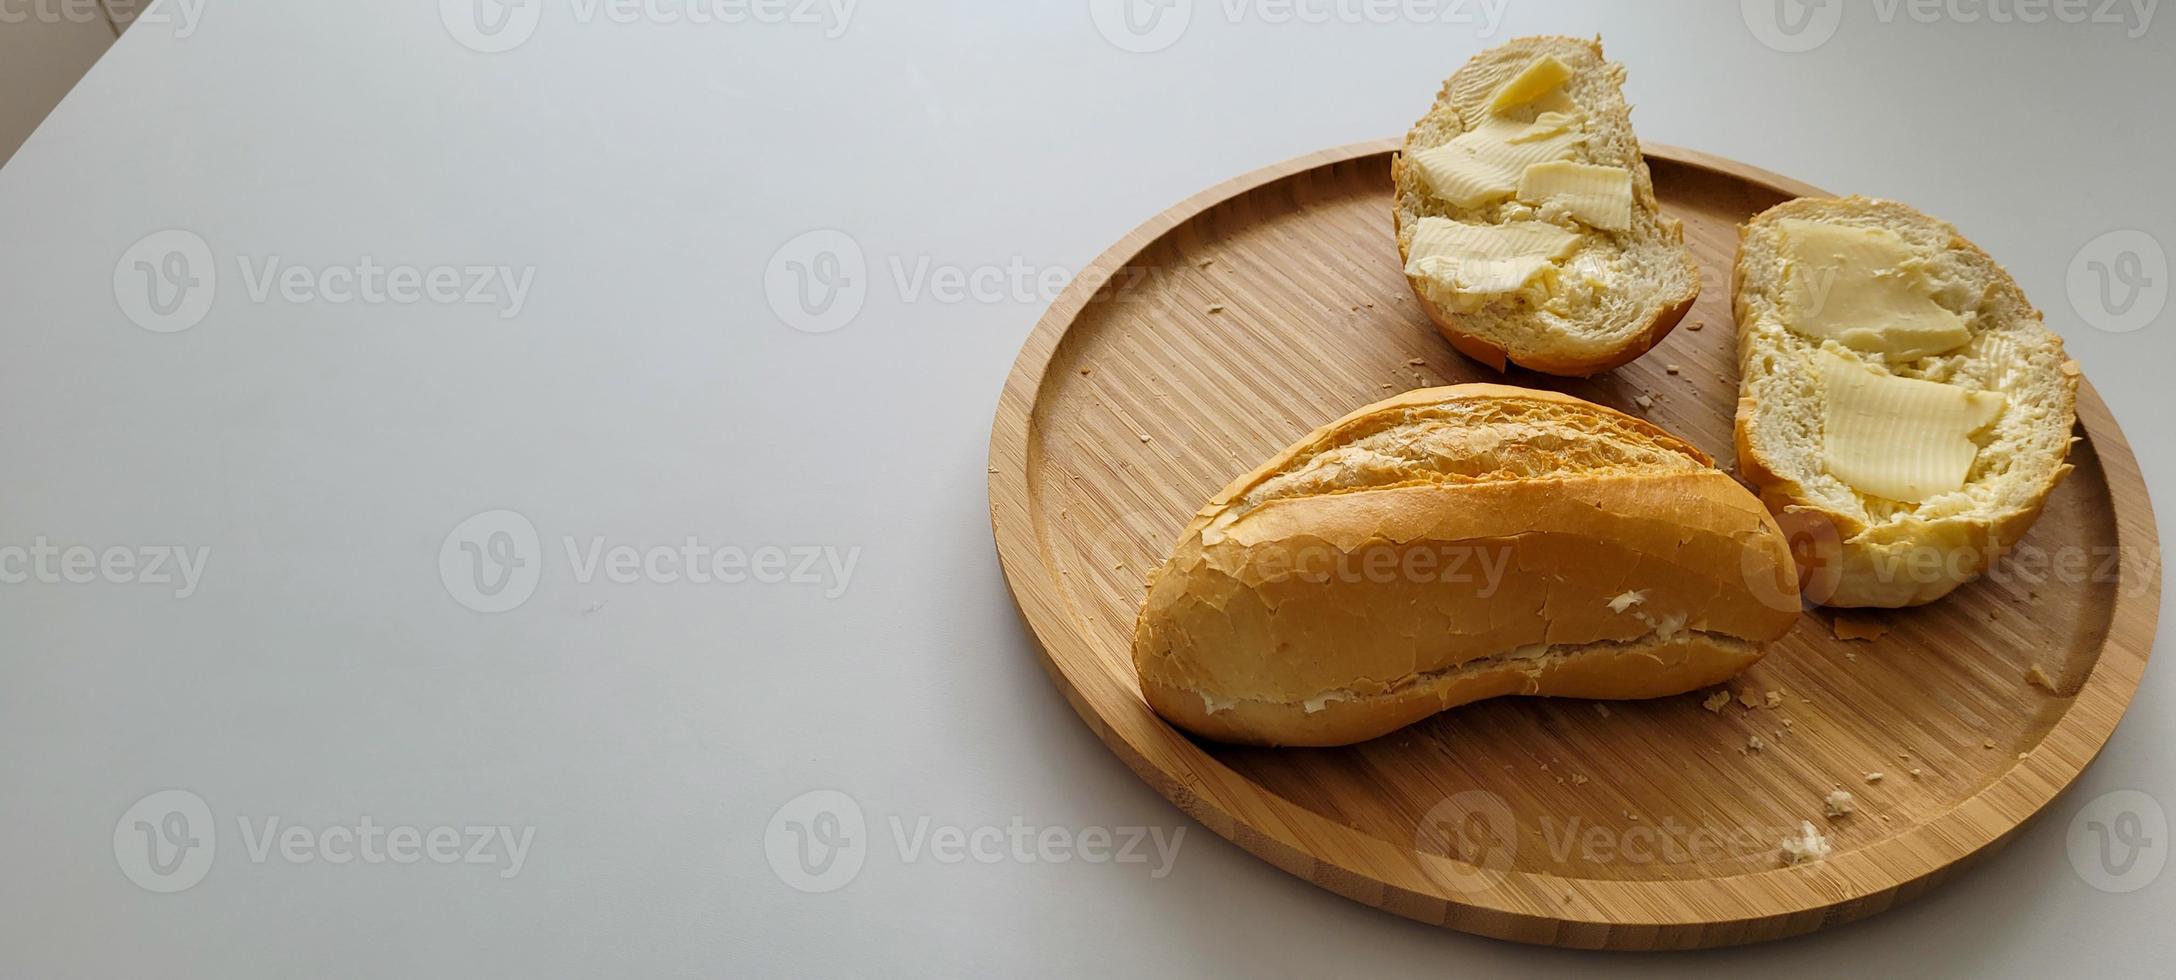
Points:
x=644, y=735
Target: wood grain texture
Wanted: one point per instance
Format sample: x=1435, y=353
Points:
x=1240, y=319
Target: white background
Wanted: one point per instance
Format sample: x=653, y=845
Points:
x=647, y=392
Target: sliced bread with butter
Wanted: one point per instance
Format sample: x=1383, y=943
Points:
x=1902, y=408
x=1453, y=544
x=1526, y=216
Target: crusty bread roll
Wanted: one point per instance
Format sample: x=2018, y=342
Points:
x=1616, y=292
x=1452, y=544
x=1861, y=549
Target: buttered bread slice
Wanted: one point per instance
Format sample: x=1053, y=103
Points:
x=1902, y=408
x=1527, y=219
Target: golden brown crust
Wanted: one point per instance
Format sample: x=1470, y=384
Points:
x=1383, y=584
x=1843, y=561
x=1620, y=673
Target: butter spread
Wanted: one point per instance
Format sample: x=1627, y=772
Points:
x=1863, y=288
x=1899, y=438
x=1600, y=196
x=1483, y=165
x=1540, y=77
x=1472, y=264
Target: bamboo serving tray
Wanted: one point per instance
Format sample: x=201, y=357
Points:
x=1237, y=321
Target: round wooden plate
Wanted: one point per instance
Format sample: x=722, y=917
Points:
x=1234, y=323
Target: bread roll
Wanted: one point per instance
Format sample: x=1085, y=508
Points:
x=1452, y=544
x=1619, y=278
x=1856, y=546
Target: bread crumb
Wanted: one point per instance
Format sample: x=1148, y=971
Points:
x=1387, y=386
x=1775, y=699
x=1755, y=744
x=1205, y=263
x=1808, y=846
x=1670, y=368
x=1987, y=743
x=1916, y=774
x=1875, y=777
x=2039, y=678
x=1716, y=701
x=1620, y=603
x=1144, y=437
x=1216, y=307
x=1851, y=656
x=1601, y=709
x=1578, y=780
x=1084, y=372
x=1838, y=804
x=1416, y=362
x=1634, y=817
x=1643, y=401
x=1696, y=324
x=1748, y=699
x=1849, y=627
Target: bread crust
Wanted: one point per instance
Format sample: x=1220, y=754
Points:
x=1609, y=672
x=1495, y=356
x=1566, y=359
x=1843, y=561
x=1301, y=618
